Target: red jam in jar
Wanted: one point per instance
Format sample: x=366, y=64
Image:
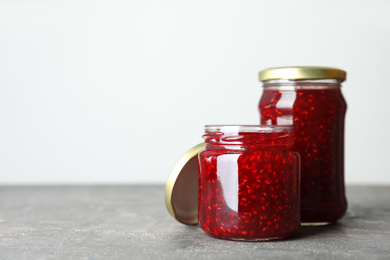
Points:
x=310, y=98
x=249, y=183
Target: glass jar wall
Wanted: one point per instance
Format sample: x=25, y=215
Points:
x=310, y=99
x=249, y=183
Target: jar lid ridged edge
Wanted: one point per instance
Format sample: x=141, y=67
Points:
x=302, y=72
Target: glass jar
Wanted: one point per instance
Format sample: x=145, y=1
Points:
x=249, y=183
x=310, y=98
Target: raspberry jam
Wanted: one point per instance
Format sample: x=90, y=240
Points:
x=317, y=109
x=249, y=183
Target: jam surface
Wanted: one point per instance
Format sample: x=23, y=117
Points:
x=318, y=118
x=249, y=192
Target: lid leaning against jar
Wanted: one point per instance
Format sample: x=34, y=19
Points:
x=181, y=191
x=302, y=72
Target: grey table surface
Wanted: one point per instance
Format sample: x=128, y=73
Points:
x=131, y=222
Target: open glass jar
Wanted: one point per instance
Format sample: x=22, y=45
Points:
x=310, y=98
x=249, y=183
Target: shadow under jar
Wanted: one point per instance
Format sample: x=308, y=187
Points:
x=249, y=183
x=310, y=98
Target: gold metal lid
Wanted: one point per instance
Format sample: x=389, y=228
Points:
x=181, y=191
x=302, y=72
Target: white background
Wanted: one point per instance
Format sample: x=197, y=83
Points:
x=117, y=91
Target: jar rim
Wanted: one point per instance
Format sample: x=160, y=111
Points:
x=249, y=128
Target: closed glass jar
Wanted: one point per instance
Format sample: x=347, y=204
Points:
x=249, y=183
x=310, y=99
